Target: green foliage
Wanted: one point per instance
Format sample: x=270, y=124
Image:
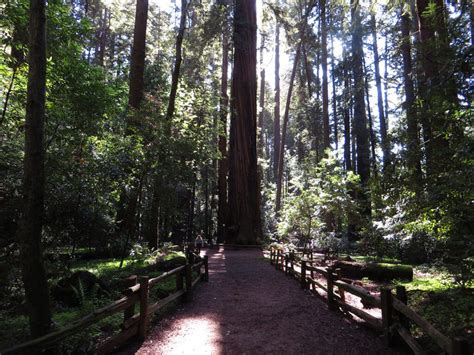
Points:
x=318, y=194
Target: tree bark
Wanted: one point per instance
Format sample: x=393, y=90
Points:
x=360, y=118
x=33, y=271
x=244, y=221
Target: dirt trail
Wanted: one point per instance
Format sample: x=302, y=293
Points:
x=249, y=308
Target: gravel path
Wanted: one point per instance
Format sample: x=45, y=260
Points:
x=249, y=308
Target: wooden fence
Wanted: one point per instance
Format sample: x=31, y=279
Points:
x=134, y=324
x=396, y=315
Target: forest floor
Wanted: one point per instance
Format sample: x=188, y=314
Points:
x=249, y=308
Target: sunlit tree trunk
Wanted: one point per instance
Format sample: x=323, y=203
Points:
x=283, y=131
x=380, y=104
x=33, y=271
x=244, y=217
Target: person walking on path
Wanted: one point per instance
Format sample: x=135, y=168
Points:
x=198, y=243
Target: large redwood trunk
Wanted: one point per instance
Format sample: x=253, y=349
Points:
x=360, y=118
x=127, y=207
x=34, y=275
x=413, y=140
x=244, y=217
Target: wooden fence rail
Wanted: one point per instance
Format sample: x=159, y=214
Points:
x=133, y=325
x=396, y=315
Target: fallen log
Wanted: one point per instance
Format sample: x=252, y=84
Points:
x=375, y=271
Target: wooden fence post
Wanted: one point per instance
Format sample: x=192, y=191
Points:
x=189, y=282
x=271, y=256
x=460, y=346
x=205, y=278
x=143, y=323
x=286, y=264
x=130, y=311
x=387, y=314
x=402, y=296
x=277, y=259
x=179, y=281
x=303, y=275
x=341, y=291
x=330, y=286
x=292, y=260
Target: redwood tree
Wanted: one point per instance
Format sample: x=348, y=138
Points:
x=244, y=217
x=34, y=275
x=361, y=131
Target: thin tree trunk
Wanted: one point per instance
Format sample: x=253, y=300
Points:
x=347, y=118
x=223, y=163
x=380, y=104
x=324, y=65
x=283, y=132
x=276, y=145
x=7, y=96
x=334, y=100
x=371, y=127
x=261, y=102
x=244, y=221
x=33, y=271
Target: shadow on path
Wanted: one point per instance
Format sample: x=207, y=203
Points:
x=248, y=307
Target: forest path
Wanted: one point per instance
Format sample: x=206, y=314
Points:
x=248, y=307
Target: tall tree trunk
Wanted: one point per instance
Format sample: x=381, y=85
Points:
x=245, y=223
x=223, y=163
x=371, y=126
x=438, y=91
x=126, y=211
x=347, y=118
x=360, y=118
x=178, y=59
x=276, y=145
x=137, y=62
x=283, y=132
x=33, y=271
x=7, y=96
x=378, y=82
x=261, y=101
x=413, y=142
x=324, y=65
x=334, y=100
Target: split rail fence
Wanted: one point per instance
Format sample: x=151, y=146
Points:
x=396, y=315
x=134, y=324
